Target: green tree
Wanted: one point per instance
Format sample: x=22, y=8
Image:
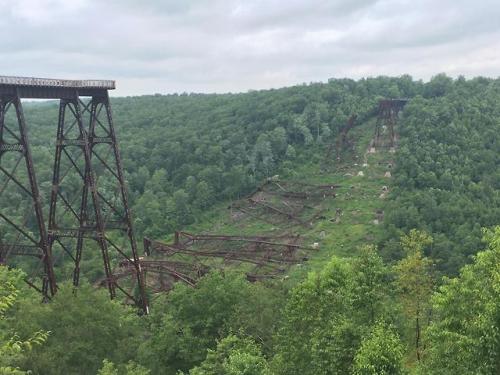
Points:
x=131, y=368
x=279, y=141
x=12, y=348
x=328, y=314
x=195, y=318
x=85, y=326
x=204, y=195
x=190, y=187
x=108, y=368
x=464, y=337
x=290, y=152
x=181, y=205
x=317, y=334
x=262, y=157
x=380, y=353
x=371, y=280
x=415, y=283
x=233, y=356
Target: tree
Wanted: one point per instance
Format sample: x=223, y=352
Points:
x=279, y=141
x=301, y=129
x=317, y=333
x=446, y=168
x=371, y=278
x=380, y=353
x=12, y=348
x=158, y=182
x=204, y=195
x=290, y=152
x=262, y=157
x=181, y=205
x=131, y=368
x=415, y=283
x=233, y=356
x=85, y=326
x=195, y=318
x=327, y=315
x=439, y=85
x=464, y=336
x=190, y=187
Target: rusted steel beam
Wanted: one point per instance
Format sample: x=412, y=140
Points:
x=17, y=249
x=217, y=237
x=259, y=277
x=293, y=200
x=84, y=130
x=87, y=129
x=262, y=252
x=235, y=254
x=316, y=191
x=388, y=112
x=37, y=235
x=269, y=258
x=341, y=140
x=271, y=208
x=248, y=212
x=178, y=270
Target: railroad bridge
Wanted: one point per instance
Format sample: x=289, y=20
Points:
x=388, y=112
x=88, y=198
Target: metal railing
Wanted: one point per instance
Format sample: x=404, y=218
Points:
x=50, y=82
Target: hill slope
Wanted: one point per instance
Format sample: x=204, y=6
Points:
x=184, y=154
x=192, y=162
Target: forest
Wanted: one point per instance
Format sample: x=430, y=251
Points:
x=417, y=293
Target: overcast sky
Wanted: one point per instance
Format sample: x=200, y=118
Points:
x=154, y=46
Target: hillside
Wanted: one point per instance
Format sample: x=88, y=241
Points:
x=186, y=154
x=379, y=227
x=338, y=224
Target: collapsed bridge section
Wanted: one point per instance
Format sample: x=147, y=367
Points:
x=190, y=256
x=284, y=203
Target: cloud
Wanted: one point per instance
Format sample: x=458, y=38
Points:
x=218, y=46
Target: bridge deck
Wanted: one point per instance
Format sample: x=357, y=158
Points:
x=49, y=88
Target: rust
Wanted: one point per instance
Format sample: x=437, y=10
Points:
x=86, y=148
x=388, y=113
x=269, y=256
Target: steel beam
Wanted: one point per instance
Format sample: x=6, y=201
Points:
x=90, y=213
x=35, y=234
x=388, y=112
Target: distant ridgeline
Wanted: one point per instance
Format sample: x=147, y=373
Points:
x=184, y=153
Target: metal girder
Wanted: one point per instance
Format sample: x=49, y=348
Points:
x=49, y=88
x=268, y=257
x=90, y=153
x=28, y=233
x=341, y=141
x=388, y=111
x=83, y=217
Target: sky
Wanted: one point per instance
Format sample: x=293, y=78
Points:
x=153, y=46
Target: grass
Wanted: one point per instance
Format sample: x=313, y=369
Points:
x=358, y=199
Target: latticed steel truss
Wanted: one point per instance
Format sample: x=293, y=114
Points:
x=191, y=256
x=22, y=228
x=88, y=208
x=388, y=111
x=341, y=142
